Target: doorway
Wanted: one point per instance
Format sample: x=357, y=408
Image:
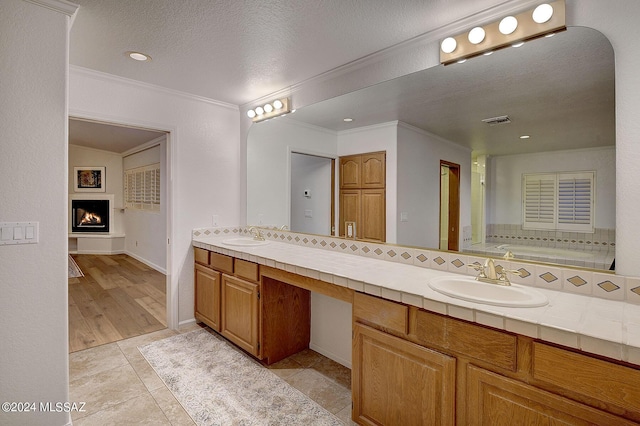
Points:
x=128, y=268
x=449, y=205
x=312, y=194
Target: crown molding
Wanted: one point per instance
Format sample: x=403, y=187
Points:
x=61, y=6
x=98, y=75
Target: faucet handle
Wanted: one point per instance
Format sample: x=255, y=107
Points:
x=478, y=267
x=502, y=275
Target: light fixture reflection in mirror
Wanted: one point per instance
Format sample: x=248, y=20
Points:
x=559, y=90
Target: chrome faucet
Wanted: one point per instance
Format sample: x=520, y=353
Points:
x=488, y=273
x=257, y=233
x=284, y=228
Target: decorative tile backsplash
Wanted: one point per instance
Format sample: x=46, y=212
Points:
x=566, y=279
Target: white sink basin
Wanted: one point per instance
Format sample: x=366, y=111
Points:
x=467, y=288
x=245, y=242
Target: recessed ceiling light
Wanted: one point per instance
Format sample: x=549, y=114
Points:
x=139, y=56
x=347, y=120
x=525, y=137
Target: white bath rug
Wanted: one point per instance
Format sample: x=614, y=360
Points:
x=218, y=385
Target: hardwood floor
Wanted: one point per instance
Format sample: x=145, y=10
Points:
x=118, y=298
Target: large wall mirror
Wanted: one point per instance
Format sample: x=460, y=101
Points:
x=558, y=94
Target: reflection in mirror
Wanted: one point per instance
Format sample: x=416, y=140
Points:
x=558, y=91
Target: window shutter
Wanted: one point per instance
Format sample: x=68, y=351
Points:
x=575, y=202
x=539, y=201
x=559, y=201
x=142, y=188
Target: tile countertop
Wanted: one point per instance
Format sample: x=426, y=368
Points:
x=604, y=327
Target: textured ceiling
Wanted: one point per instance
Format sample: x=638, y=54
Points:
x=237, y=51
x=108, y=137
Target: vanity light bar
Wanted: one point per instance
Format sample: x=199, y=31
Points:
x=270, y=110
x=528, y=25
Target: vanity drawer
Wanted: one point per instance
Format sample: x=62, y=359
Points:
x=495, y=347
x=201, y=256
x=389, y=315
x=247, y=270
x=595, y=378
x=221, y=262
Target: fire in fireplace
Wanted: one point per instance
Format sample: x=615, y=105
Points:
x=89, y=215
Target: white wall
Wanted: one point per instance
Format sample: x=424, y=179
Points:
x=268, y=180
x=83, y=156
x=310, y=214
x=331, y=328
x=146, y=231
x=204, y=159
x=419, y=154
x=379, y=137
x=505, y=172
x=33, y=170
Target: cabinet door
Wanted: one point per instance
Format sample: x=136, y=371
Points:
x=240, y=320
x=496, y=400
x=396, y=382
x=207, y=300
x=350, y=171
x=372, y=222
x=350, y=206
x=373, y=173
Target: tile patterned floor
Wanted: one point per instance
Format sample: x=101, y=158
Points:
x=120, y=387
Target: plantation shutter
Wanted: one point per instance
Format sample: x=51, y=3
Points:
x=575, y=201
x=559, y=201
x=142, y=188
x=539, y=201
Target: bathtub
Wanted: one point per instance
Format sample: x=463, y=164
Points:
x=598, y=259
x=521, y=251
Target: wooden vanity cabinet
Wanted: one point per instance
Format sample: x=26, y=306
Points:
x=267, y=318
x=396, y=382
x=240, y=319
x=493, y=399
x=477, y=375
x=207, y=300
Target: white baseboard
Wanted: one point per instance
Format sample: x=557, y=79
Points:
x=186, y=322
x=97, y=252
x=328, y=354
x=146, y=262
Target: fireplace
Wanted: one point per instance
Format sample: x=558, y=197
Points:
x=90, y=215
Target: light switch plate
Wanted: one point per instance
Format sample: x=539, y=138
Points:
x=14, y=233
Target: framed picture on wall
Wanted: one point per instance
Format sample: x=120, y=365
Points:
x=89, y=179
